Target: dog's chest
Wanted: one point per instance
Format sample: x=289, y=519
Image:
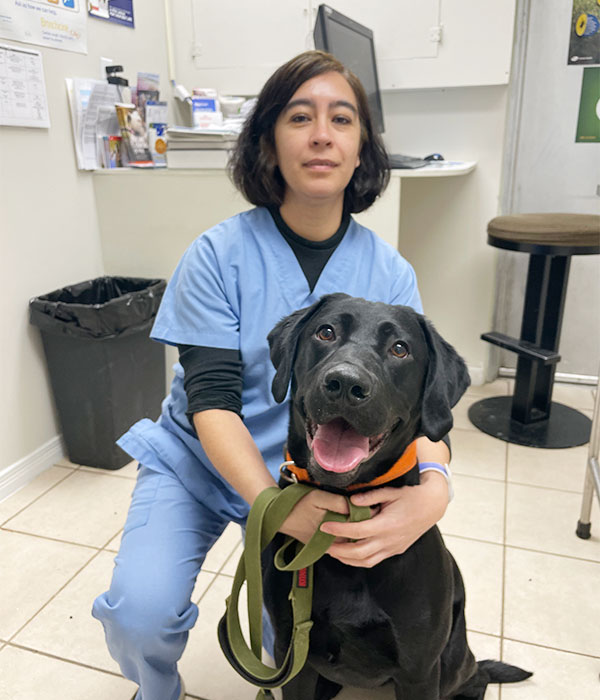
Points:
x=352, y=640
x=345, y=600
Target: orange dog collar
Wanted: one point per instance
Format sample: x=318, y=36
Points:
x=402, y=466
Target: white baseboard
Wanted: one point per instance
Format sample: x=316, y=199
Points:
x=19, y=474
x=477, y=375
x=566, y=378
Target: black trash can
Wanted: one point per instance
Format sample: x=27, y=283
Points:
x=105, y=371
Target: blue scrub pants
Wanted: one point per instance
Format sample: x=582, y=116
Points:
x=147, y=613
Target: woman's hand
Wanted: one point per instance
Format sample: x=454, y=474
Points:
x=308, y=513
x=401, y=516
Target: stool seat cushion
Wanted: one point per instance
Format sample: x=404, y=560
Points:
x=569, y=234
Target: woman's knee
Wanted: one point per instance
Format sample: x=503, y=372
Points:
x=137, y=619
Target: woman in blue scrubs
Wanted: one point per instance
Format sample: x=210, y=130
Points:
x=307, y=159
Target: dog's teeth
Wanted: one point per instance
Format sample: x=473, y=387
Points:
x=376, y=441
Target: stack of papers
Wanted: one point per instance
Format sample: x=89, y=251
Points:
x=93, y=116
x=200, y=148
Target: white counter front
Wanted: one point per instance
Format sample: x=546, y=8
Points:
x=165, y=209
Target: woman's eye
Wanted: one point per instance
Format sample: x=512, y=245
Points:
x=342, y=120
x=326, y=333
x=400, y=350
x=298, y=118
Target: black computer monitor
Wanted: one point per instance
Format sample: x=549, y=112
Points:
x=353, y=45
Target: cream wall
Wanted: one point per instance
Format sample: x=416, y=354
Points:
x=443, y=221
x=49, y=231
x=58, y=225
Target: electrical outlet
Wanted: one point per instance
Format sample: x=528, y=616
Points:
x=435, y=34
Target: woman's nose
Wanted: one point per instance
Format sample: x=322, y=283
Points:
x=321, y=132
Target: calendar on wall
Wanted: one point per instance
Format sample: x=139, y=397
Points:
x=23, y=100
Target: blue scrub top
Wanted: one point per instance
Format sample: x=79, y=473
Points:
x=233, y=284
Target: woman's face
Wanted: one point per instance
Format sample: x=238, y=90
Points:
x=318, y=140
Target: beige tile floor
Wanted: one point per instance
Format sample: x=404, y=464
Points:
x=533, y=587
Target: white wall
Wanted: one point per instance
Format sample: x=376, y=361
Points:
x=58, y=228
x=443, y=221
x=545, y=143
x=48, y=226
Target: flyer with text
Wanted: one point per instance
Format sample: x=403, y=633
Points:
x=60, y=24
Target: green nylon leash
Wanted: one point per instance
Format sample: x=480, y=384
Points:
x=271, y=508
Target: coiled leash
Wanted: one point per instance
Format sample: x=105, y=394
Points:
x=268, y=513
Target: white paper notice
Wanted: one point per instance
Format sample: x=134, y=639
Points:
x=93, y=115
x=60, y=24
x=23, y=99
x=102, y=99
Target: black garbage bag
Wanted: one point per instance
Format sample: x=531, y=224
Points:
x=105, y=371
x=100, y=308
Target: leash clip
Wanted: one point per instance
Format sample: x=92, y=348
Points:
x=286, y=473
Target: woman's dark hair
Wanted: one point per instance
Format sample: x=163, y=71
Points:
x=253, y=165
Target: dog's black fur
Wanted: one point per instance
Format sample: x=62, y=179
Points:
x=403, y=619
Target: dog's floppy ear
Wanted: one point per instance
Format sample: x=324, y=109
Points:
x=447, y=380
x=283, y=340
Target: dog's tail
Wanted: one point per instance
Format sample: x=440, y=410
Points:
x=499, y=672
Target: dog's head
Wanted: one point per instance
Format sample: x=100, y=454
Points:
x=366, y=379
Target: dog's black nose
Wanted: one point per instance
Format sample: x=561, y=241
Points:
x=347, y=382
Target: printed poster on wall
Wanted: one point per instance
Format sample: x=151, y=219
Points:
x=60, y=24
x=119, y=11
x=584, y=39
x=23, y=100
x=588, y=123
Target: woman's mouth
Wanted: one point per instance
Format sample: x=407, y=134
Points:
x=320, y=164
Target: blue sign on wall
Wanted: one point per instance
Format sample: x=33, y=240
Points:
x=119, y=11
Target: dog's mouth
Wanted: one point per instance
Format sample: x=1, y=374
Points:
x=337, y=447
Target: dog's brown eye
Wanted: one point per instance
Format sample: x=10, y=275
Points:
x=326, y=333
x=399, y=350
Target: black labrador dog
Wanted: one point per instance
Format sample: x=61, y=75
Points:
x=366, y=380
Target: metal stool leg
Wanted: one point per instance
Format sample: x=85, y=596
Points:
x=592, y=474
x=530, y=417
x=545, y=295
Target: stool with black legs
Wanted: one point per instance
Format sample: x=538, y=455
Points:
x=591, y=483
x=530, y=417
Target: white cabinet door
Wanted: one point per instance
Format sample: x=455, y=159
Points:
x=402, y=28
x=238, y=44
x=234, y=45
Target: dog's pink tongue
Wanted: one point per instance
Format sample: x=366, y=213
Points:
x=337, y=447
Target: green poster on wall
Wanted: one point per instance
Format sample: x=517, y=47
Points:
x=588, y=124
